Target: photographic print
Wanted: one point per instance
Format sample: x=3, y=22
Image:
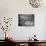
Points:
x=25, y=19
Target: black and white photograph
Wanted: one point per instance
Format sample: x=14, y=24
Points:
x=25, y=19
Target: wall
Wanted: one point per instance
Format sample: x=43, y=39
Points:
x=11, y=8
